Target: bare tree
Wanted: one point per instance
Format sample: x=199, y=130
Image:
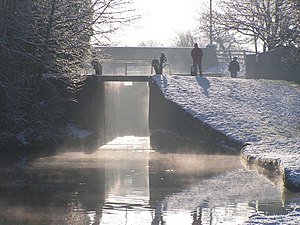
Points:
x=55, y=35
x=110, y=16
x=270, y=21
x=184, y=39
x=150, y=43
x=45, y=36
x=49, y=37
x=224, y=39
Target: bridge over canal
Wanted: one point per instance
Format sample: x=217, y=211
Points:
x=145, y=78
x=122, y=78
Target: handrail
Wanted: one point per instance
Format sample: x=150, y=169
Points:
x=130, y=61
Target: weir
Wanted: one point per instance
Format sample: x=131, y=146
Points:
x=125, y=109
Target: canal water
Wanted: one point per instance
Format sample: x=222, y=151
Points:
x=125, y=182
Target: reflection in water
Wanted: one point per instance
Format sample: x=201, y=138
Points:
x=126, y=183
x=127, y=180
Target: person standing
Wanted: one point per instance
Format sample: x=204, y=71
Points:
x=97, y=66
x=162, y=61
x=159, y=65
x=234, y=67
x=197, y=55
x=155, y=65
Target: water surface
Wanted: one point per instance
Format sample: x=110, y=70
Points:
x=125, y=182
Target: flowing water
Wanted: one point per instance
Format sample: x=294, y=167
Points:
x=124, y=182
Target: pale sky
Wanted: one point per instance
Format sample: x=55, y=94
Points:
x=161, y=20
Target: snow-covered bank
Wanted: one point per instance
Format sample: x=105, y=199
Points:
x=263, y=113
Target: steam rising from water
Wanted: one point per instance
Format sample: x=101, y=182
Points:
x=126, y=182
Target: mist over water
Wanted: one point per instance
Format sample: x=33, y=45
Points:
x=127, y=182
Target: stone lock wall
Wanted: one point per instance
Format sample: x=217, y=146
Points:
x=173, y=129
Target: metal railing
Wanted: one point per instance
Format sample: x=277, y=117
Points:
x=127, y=67
x=225, y=56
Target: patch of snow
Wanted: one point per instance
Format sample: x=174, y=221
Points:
x=292, y=218
x=77, y=132
x=22, y=139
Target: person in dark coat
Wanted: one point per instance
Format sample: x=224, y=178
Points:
x=159, y=64
x=197, y=55
x=234, y=67
x=162, y=61
x=155, y=64
x=97, y=66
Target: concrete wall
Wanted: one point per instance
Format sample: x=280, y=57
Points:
x=274, y=65
x=86, y=108
x=173, y=129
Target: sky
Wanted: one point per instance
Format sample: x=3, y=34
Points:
x=161, y=21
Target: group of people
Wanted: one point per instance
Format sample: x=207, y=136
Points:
x=159, y=64
x=197, y=55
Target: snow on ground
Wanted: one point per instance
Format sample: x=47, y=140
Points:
x=263, y=113
x=74, y=131
x=292, y=218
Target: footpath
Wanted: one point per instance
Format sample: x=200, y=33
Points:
x=262, y=114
